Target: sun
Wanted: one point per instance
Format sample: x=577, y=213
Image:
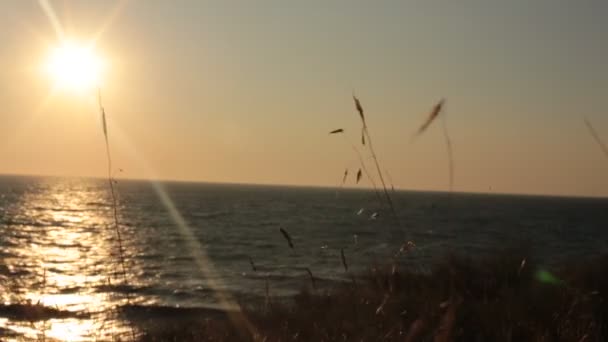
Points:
x=74, y=67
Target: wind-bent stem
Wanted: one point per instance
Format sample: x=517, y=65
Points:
x=112, y=191
x=371, y=148
x=596, y=137
x=448, y=144
x=364, y=168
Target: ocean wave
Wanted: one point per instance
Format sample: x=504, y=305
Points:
x=123, y=288
x=7, y=271
x=60, y=209
x=210, y=215
x=36, y=312
x=151, y=312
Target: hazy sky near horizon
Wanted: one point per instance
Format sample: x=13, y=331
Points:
x=246, y=91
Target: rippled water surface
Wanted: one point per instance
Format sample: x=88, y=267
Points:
x=184, y=243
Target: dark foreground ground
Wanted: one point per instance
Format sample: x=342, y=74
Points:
x=503, y=298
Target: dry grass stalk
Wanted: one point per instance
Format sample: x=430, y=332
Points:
x=367, y=173
x=112, y=190
x=448, y=144
x=343, y=260
x=287, y=237
x=312, y=278
x=374, y=156
x=361, y=162
x=521, y=266
x=437, y=109
x=359, y=108
x=596, y=137
x=432, y=116
x=343, y=180
x=380, y=308
x=362, y=137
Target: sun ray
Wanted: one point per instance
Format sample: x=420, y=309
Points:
x=48, y=10
x=194, y=246
x=114, y=13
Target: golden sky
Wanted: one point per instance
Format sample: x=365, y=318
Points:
x=244, y=91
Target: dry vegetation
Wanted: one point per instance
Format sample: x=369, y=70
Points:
x=459, y=299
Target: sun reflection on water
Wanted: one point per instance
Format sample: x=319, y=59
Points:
x=58, y=253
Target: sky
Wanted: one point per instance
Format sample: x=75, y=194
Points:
x=247, y=91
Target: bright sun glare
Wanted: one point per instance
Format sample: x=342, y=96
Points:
x=74, y=67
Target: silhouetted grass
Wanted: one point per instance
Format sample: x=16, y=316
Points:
x=111, y=181
x=597, y=138
x=365, y=134
x=437, y=110
x=458, y=299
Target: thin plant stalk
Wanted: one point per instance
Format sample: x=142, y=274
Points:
x=112, y=190
x=367, y=173
x=312, y=278
x=370, y=144
x=377, y=163
x=596, y=137
x=435, y=112
x=343, y=260
x=448, y=144
x=364, y=168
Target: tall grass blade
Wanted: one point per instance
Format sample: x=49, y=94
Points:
x=112, y=190
x=375, y=157
x=597, y=138
x=344, y=177
x=380, y=308
x=343, y=260
x=448, y=145
x=359, y=109
x=521, y=266
x=432, y=116
x=362, y=137
x=364, y=168
x=287, y=237
x=435, y=112
x=312, y=278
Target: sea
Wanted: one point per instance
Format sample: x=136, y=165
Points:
x=217, y=246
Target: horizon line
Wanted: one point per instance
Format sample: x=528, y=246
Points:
x=315, y=186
